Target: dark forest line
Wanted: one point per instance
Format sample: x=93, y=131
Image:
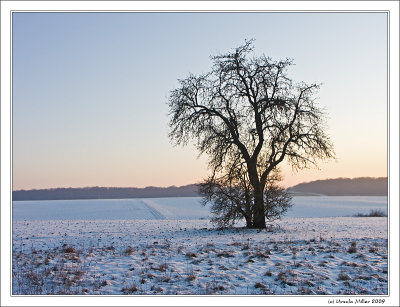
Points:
x=105, y=193
x=365, y=186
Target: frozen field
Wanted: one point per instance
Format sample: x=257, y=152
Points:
x=182, y=208
x=167, y=247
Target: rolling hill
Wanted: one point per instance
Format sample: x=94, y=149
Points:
x=363, y=186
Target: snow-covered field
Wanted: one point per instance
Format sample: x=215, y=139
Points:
x=182, y=208
x=168, y=247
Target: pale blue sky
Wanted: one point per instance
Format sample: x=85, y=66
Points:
x=90, y=90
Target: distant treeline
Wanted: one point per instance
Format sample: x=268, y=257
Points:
x=363, y=186
x=105, y=193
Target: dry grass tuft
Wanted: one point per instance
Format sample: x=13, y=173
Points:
x=69, y=250
x=129, y=251
x=308, y=283
x=343, y=276
x=191, y=277
x=161, y=268
x=268, y=273
x=261, y=255
x=282, y=277
x=226, y=254
x=352, y=248
x=190, y=255
x=259, y=285
x=130, y=289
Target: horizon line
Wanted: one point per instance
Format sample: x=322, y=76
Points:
x=180, y=186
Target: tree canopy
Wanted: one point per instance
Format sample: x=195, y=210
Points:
x=247, y=111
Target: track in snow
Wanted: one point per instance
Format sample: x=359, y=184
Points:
x=154, y=212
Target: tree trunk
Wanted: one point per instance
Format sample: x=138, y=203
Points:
x=258, y=188
x=249, y=223
x=248, y=214
x=259, y=218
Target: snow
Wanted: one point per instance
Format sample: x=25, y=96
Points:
x=323, y=206
x=111, y=209
x=182, y=208
x=167, y=247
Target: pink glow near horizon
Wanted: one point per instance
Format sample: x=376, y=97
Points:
x=90, y=91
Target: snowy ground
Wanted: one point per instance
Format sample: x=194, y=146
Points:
x=159, y=254
x=182, y=208
x=168, y=247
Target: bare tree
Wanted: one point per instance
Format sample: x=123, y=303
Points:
x=276, y=199
x=232, y=197
x=247, y=108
